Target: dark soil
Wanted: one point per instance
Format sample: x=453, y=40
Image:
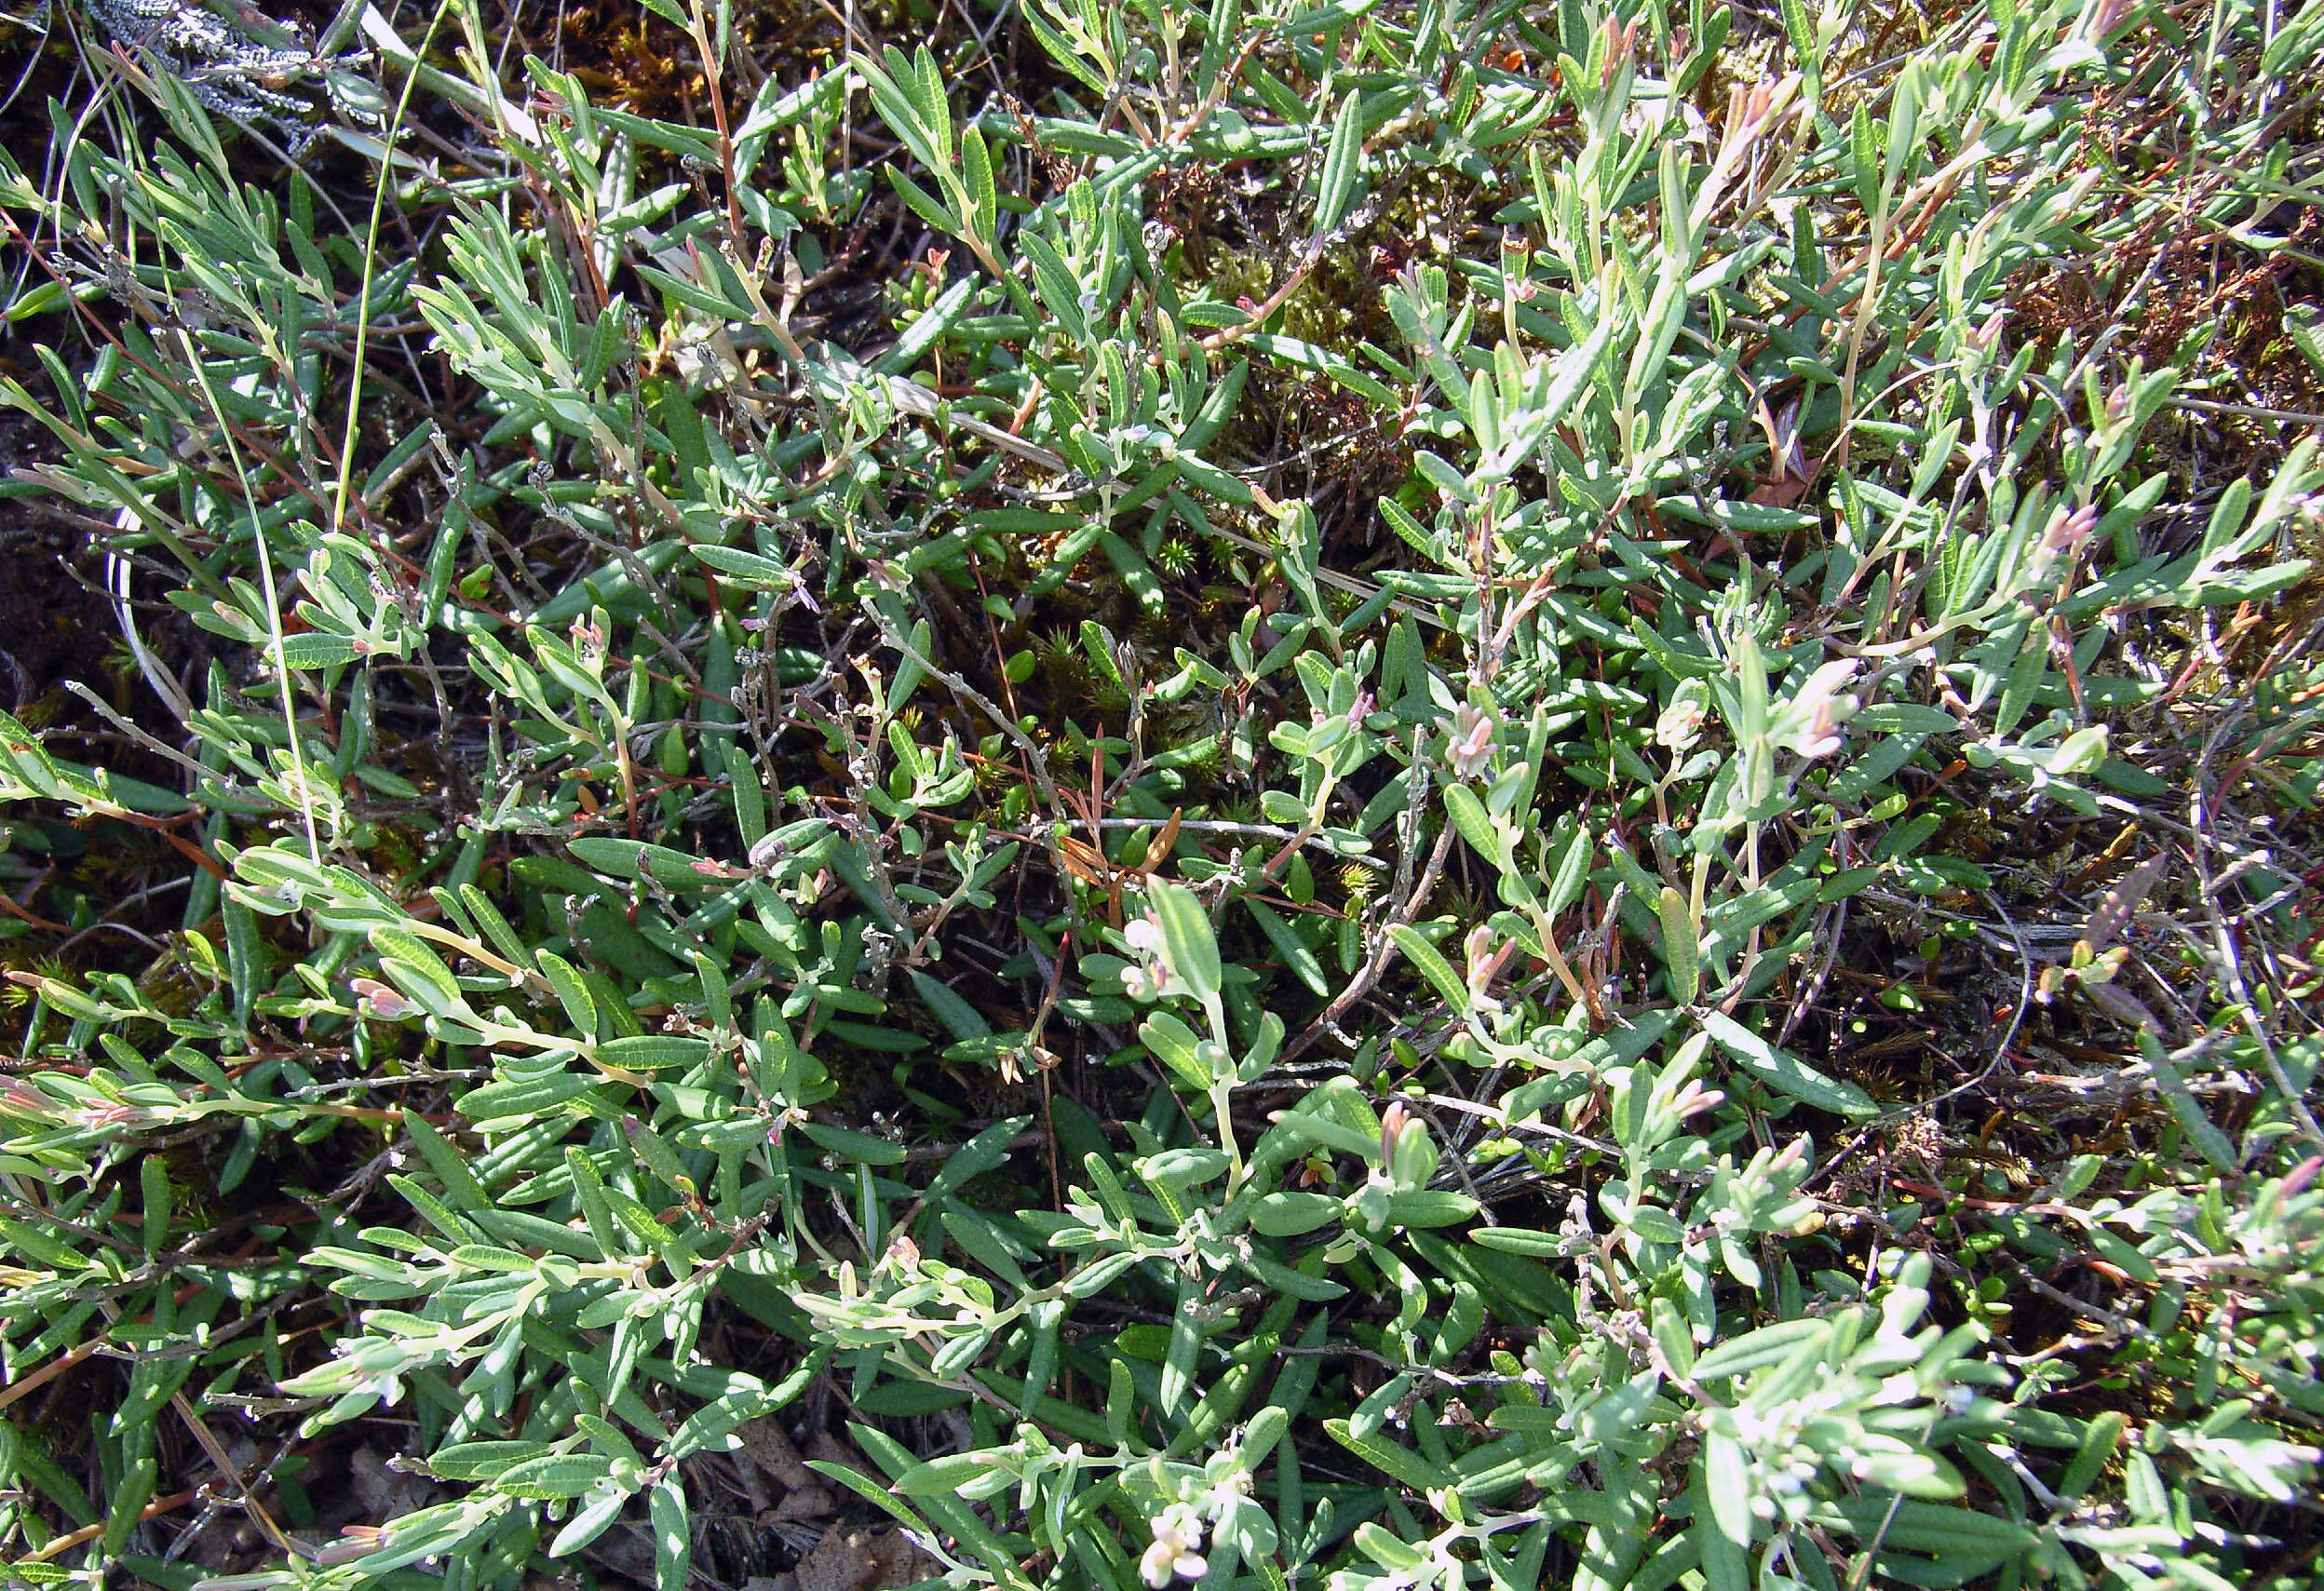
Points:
x=54, y=622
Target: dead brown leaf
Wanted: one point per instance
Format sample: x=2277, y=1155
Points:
x=864, y=1561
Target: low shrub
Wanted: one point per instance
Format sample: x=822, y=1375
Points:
x=1393, y=795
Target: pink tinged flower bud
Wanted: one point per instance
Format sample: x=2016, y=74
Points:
x=1822, y=706
x=18, y=1099
x=1472, y=741
x=2064, y=534
x=1679, y=725
x=2297, y=1182
x=1392, y=1124
x=357, y=1541
x=1621, y=40
x=1694, y=1099
x=588, y=643
x=2067, y=532
x=377, y=999
x=1484, y=966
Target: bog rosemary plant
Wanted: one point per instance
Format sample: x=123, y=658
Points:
x=1243, y=927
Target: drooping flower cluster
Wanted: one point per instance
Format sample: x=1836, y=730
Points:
x=1472, y=740
x=1177, y=1547
x=2064, y=535
x=1680, y=725
x=1810, y=725
x=1485, y=951
x=1151, y=976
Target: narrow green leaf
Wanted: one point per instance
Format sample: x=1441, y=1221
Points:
x=1753, y=1350
x=1520, y=1240
x=1396, y=1462
x=654, y=1052
x=673, y=1537
x=1468, y=816
x=1187, y=939
x=590, y=1522
x=1784, y=1071
x=1431, y=964
x=1726, y=1486
x=977, y=172
x=1303, y=960
x=1335, y=185
x=572, y=992
x=1680, y=951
